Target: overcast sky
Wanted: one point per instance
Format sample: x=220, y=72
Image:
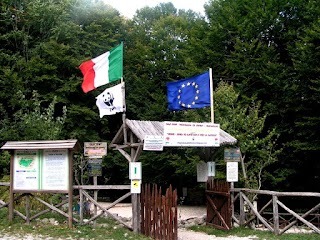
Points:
x=129, y=7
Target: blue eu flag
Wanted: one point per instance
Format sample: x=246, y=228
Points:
x=193, y=92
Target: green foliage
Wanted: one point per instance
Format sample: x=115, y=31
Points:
x=258, y=145
x=33, y=122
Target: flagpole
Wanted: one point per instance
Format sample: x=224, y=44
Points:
x=211, y=95
x=124, y=112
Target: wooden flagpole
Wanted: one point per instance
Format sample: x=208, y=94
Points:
x=211, y=95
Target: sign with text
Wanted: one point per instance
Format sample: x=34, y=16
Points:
x=153, y=143
x=41, y=170
x=190, y=134
x=95, y=167
x=232, y=171
x=232, y=154
x=95, y=149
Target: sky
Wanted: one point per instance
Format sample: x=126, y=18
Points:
x=128, y=8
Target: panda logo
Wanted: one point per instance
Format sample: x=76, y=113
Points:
x=108, y=99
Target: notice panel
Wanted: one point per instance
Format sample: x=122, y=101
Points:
x=55, y=170
x=190, y=134
x=37, y=170
x=26, y=170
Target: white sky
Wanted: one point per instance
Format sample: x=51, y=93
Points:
x=128, y=8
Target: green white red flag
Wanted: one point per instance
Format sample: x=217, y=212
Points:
x=103, y=69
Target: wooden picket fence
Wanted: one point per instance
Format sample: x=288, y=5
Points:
x=159, y=213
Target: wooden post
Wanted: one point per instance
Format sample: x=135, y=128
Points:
x=27, y=209
x=11, y=193
x=232, y=199
x=242, y=213
x=95, y=196
x=70, y=190
x=81, y=205
x=135, y=197
x=275, y=214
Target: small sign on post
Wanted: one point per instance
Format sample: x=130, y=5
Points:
x=211, y=169
x=232, y=171
x=232, y=154
x=95, y=149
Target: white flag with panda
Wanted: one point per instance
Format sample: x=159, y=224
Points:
x=111, y=100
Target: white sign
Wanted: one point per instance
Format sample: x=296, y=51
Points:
x=153, y=143
x=135, y=186
x=135, y=170
x=232, y=171
x=55, y=174
x=202, y=172
x=36, y=170
x=190, y=134
x=211, y=169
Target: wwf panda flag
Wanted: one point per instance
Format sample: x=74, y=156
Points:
x=111, y=100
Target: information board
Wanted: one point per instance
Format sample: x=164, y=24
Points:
x=37, y=170
x=153, y=143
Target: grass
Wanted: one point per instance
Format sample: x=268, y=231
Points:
x=258, y=234
x=105, y=229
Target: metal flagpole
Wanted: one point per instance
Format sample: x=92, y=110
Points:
x=211, y=95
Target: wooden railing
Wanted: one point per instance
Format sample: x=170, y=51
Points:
x=249, y=213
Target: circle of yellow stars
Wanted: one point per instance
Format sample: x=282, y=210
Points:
x=196, y=95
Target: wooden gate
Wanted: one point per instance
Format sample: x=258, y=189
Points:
x=219, y=210
x=159, y=213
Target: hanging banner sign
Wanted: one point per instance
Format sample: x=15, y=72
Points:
x=190, y=134
x=95, y=149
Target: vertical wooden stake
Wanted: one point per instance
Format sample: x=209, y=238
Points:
x=95, y=193
x=11, y=203
x=275, y=214
x=242, y=213
x=81, y=205
x=70, y=190
x=28, y=209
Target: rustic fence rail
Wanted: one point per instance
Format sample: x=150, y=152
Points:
x=159, y=213
x=247, y=212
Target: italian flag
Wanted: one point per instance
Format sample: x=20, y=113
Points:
x=103, y=69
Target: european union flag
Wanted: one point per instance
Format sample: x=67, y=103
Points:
x=193, y=92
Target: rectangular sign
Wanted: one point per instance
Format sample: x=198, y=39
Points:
x=211, y=169
x=202, y=172
x=190, y=134
x=36, y=170
x=232, y=171
x=95, y=149
x=232, y=154
x=55, y=170
x=95, y=167
x=26, y=170
x=135, y=171
x=153, y=143
x=135, y=186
